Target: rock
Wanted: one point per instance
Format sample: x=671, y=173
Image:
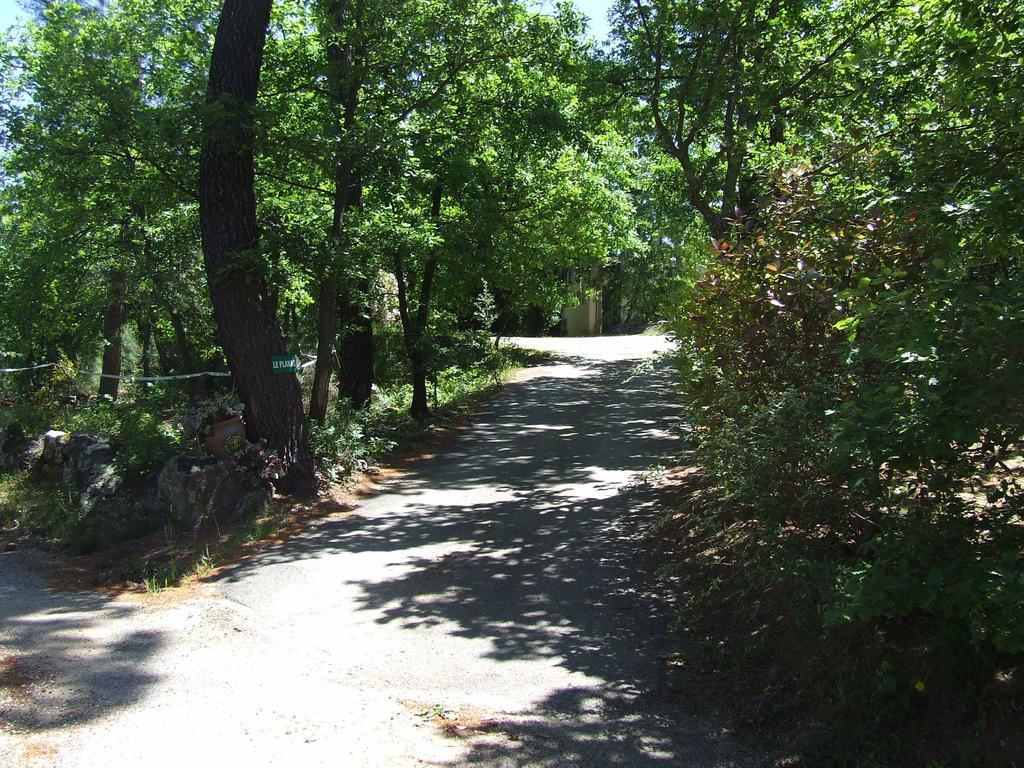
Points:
x=149, y=504
x=30, y=457
x=89, y=467
x=51, y=463
x=53, y=446
x=12, y=438
x=1007, y=684
x=196, y=488
x=17, y=450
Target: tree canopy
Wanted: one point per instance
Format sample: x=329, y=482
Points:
x=821, y=200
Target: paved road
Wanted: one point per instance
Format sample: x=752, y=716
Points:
x=505, y=582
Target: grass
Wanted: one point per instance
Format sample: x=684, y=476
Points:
x=140, y=425
x=868, y=694
x=121, y=547
x=47, y=513
x=116, y=543
x=202, y=555
x=350, y=439
x=170, y=558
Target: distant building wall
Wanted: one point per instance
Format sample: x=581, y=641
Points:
x=583, y=319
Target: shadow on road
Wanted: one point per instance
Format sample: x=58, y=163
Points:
x=547, y=559
x=59, y=663
x=591, y=729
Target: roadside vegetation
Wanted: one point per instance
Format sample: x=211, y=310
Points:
x=822, y=201
x=850, y=354
x=429, y=179
x=144, y=429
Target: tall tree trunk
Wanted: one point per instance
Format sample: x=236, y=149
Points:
x=242, y=307
x=344, y=83
x=611, y=298
x=113, y=317
x=414, y=326
x=417, y=348
x=113, y=323
x=412, y=335
x=355, y=348
x=145, y=325
x=188, y=361
x=355, y=344
x=325, y=328
x=420, y=407
x=186, y=352
x=164, y=353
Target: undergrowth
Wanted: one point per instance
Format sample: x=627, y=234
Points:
x=141, y=427
x=768, y=607
x=48, y=513
x=349, y=439
x=852, y=378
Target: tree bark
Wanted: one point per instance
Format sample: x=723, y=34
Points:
x=146, y=337
x=414, y=326
x=417, y=349
x=113, y=323
x=242, y=306
x=164, y=353
x=325, y=325
x=420, y=407
x=355, y=343
x=344, y=83
x=412, y=335
x=186, y=352
x=355, y=349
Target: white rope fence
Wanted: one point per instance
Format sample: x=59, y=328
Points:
x=158, y=378
x=30, y=368
x=137, y=378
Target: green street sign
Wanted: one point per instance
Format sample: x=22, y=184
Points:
x=285, y=364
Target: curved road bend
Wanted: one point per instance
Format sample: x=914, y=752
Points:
x=504, y=584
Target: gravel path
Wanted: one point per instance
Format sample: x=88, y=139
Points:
x=496, y=606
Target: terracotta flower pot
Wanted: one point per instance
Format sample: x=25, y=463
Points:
x=226, y=437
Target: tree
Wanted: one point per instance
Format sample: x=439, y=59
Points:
x=499, y=182
x=99, y=193
x=243, y=308
x=719, y=78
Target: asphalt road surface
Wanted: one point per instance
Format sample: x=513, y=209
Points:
x=496, y=606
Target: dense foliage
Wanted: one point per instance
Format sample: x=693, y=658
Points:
x=367, y=111
x=823, y=198
x=851, y=346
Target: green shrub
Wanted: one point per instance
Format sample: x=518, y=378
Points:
x=349, y=437
x=142, y=432
x=50, y=512
x=341, y=442
x=965, y=585
x=853, y=375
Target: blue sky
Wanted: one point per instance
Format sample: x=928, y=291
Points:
x=597, y=10
x=8, y=11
